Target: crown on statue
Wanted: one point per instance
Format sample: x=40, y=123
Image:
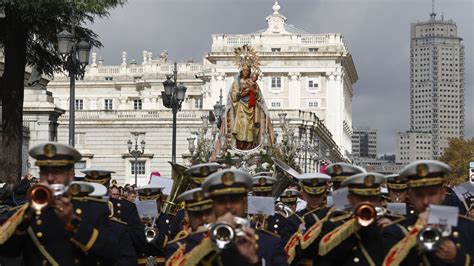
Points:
x=246, y=56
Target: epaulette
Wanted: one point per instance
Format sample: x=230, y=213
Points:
x=90, y=199
x=466, y=217
x=339, y=216
x=268, y=232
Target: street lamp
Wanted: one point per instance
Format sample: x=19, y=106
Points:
x=191, y=145
x=219, y=110
x=135, y=152
x=173, y=96
x=75, y=54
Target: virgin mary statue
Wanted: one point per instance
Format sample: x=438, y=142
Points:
x=247, y=124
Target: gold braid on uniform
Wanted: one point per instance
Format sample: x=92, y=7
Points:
x=199, y=252
x=177, y=257
x=336, y=236
x=9, y=226
x=313, y=232
x=290, y=247
x=400, y=250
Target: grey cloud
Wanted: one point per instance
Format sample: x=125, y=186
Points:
x=376, y=31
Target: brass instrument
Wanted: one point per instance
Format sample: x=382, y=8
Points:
x=429, y=238
x=181, y=183
x=367, y=213
x=284, y=180
x=150, y=231
x=223, y=234
x=41, y=195
x=283, y=210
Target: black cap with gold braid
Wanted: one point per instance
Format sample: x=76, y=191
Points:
x=314, y=183
x=396, y=182
x=149, y=192
x=195, y=200
x=97, y=175
x=365, y=184
x=263, y=183
x=54, y=154
x=289, y=196
x=199, y=172
x=425, y=173
x=227, y=182
x=341, y=171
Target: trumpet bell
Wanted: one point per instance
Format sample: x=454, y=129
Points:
x=428, y=239
x=222, y=235
x=39, y=196
x=365, y=214
x=150, y=234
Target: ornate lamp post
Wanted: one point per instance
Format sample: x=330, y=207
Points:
x=173, y=96
x=219, y=110
x=75, y=54
x=191, y=145
x=135, y=152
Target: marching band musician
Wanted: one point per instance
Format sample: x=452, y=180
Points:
x=262, y=187
x=289, y=197
x=153, y=251
x=197, y=173
x=198, y=206
x=340, y=172
x=358, y=240
x=397, y=188
x=228, y=190
x=314, y=190
x=123, y=216
x=425, y=188
x=69, y=228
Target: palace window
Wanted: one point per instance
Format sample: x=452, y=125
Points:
x=313, y=104
x=140, y=167
x=79, y=104
x=312, y=50
x=108, y=104
x=275, y=104
x=137, y=104
x=276, y=82
x=313, y=84
x=276, y=49
x=198, y=102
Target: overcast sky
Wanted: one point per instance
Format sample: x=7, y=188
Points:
x=377, y=33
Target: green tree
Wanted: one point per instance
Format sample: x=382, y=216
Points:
x=28, y=36
x=458, y=155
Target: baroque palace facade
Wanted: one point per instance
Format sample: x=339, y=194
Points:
x=308, y=76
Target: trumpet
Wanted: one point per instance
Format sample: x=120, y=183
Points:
x=283, y=210
x=429, y=238
x=367, y=213
x=150, y=231
x=39, y=196
x=223, y=234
